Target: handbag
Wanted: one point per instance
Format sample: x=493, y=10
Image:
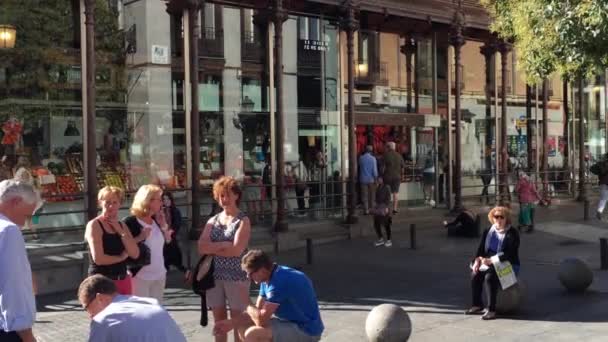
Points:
x=202, y=281
x=144, y=257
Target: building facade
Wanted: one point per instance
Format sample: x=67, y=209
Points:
x=180, y=92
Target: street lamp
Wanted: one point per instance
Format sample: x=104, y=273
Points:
x=8, y=34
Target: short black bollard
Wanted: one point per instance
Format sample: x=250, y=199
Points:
x=603, y=253
x=309, y=251
x=586, y=209
x=412, y=236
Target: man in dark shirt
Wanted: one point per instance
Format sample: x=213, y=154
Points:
x=286, y=308
x=393, y=166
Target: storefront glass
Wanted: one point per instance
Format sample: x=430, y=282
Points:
x=234, y=107
x=140, y=120
x=41, y=109
x=312, y=117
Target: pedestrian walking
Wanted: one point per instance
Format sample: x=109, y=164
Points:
x=172, y=251
x=147, y=224
x=498, y=243
x=226, y=237
x=109, y=241
x=18, y=201
x=368, y=173
x=527, y=197
x=601, y=170
x=393, y=168
x=428, y=179
x=382, y=214
x=122, y=318
x=286, y=308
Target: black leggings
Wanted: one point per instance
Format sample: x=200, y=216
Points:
x=489, y=276
x=385, y=221
x=173, y=256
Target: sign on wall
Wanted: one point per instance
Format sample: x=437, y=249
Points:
x=160, y=54
x=314, y=45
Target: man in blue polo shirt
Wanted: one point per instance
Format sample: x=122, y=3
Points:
x=286, y=308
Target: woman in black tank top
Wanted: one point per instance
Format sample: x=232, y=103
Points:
x=110, y=242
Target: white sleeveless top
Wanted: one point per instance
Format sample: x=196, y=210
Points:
x=156, y=242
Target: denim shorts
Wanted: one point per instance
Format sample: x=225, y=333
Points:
x=288, y=331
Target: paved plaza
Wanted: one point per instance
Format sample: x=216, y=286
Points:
x=431, y=283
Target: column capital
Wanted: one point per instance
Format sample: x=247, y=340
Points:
x=278, y=13
x=349, y=21
x=457, y=27
x=488, y=49
x=410, y=46
x=504, y=46
x=177, y=7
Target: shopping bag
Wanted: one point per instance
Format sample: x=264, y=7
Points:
x=506, y=274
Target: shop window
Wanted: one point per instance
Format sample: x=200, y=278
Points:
x=209, y=93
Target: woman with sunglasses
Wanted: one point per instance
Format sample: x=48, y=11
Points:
x=500, y=242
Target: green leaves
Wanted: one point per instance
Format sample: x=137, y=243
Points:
x=565, y=36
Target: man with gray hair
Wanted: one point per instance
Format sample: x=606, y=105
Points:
x=18, y=202
x=393, y=166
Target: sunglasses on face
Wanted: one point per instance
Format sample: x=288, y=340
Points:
x=499, y=217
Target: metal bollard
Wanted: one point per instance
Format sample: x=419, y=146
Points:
x=412, y=236
x=586, y=209
x=603, y=253
x=309, y=251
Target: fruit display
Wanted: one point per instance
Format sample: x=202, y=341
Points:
x=49, y=192
x=74, y=164
x=113, y=179
x=66, y=185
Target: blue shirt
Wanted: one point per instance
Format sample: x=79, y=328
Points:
x=131, y=318
x=17, y=303
x=368, y=168
x=294, y=293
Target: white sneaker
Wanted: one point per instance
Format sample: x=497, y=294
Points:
x=379, y=242
x=388, y=243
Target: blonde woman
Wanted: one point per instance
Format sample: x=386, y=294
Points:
x=110, y=242
x=226, y=237
x=147, y=223
x=500, y=242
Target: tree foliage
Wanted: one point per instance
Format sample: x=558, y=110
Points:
x=565, y=36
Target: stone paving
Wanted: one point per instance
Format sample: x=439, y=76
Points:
x=431, y=283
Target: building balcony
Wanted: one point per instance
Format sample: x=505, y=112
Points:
x=369, y=74
x=252, y=50
x=211, y=43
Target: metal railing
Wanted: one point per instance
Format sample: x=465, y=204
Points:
x=252, y=49
x=212, y=42
x=368, y=73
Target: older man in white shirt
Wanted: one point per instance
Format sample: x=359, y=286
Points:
x=119, y=318
x=18, y=201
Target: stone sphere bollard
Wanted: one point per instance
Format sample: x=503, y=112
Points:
x=388, y=323
x=575, y=275
x=511, y=299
